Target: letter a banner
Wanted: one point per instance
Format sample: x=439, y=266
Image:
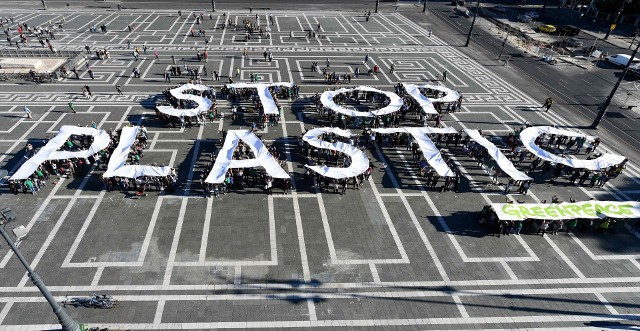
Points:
x=567, y=210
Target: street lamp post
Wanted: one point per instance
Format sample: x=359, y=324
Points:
x=472, y=24
x=617, y=19
x=67, y=323
x=603, y=108
x=635, y=35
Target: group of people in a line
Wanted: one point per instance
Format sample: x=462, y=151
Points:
x=488, y=218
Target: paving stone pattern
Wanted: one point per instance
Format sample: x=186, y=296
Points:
x=391, y=256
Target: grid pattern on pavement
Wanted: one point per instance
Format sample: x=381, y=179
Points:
x=391, y=255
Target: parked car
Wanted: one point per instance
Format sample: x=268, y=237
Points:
x=568, y=30
x=547, y=28
x=634, y=70
x=532, y=14
x=524, y=18
x=573, y=42
x=500, y=9
x=621, y=60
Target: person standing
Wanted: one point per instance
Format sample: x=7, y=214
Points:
x=444, y=76
x=73, y=109
x=366, y=58
x=155, y=53
x=119, y=89
x=173, y=59
x=547, y=104
x=86, y=87
x=543, y=227
x=393, y=67
x=27, y=111
x=90, y=74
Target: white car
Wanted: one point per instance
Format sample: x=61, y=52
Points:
x=621, y=60
x=532, y=14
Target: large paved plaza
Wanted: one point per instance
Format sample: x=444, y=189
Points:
x=393, y=255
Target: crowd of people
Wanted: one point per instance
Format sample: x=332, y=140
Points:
x=140, y=184
x=44, y=33
x=488, y=218
x=187, y=121
x=49, y=168
x=239, y=178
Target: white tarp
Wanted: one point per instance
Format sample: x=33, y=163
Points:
x=528, y=137
x=225, y=160
x=359, y=161
x=449, y=96
x=429, y=149
x=50, y=150
x=204, y=104
x=503, y=162
x=118, y=162
x=567, y=210
x=268, y=103
x=421, y=99
x=394, y=104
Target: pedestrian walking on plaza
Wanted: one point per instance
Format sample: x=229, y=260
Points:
x=167, y=77
x=73, y=109
x=27, y=111
x=547, y=104
x=86, y=87
x=444, y=76
x=119, y=89
x=90, y=73
x=173, y=59
x=75, y=71
x=216, y=75
x=393, y=67
x=156, y=55
x=237, y=72
x=366, y=58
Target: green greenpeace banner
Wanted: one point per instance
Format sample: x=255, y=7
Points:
x=567, y=210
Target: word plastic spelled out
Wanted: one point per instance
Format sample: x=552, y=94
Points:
x=117, y=163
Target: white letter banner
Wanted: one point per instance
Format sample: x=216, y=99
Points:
x=394, y=104
x=268, y=103
x=118, y=162
x=204, y=104
x=528, y=137
x=421, y=99
x=359, y=161
x=503, y=162
x=449, y=94
x=429, y=149
x=567, y=210
x=225, y=160
x=50, y=150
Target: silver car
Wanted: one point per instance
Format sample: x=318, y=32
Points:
x=573, y=42
x=524, y=18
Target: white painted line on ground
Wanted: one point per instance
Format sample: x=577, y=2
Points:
x=157, y=318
